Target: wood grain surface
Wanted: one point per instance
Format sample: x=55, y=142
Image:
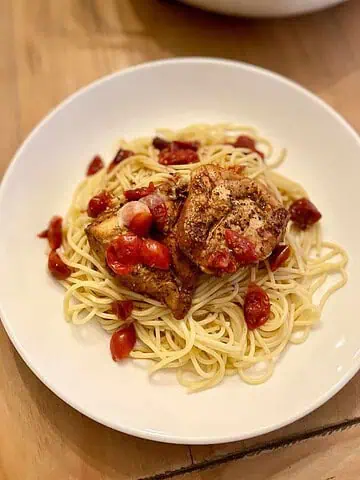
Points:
x=50, y=48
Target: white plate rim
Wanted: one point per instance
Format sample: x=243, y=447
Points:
x=143, y=433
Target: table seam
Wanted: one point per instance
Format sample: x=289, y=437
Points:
x=252, y=451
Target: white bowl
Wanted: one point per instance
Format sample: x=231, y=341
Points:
x=74, y=362
x=263, y=8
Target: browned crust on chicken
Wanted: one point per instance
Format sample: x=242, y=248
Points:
x=172, y=287
x=221, y=199
x=101, y=231
x=174, y=194
x=162, y=285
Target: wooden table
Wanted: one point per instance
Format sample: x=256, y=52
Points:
x=50, y=48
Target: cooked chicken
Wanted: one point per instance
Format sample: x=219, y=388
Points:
x=173, y=287
x=174, y=195
x=222, y=201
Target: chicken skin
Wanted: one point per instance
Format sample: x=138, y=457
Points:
x=228, y=220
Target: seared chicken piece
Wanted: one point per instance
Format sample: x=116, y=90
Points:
x=222, y=200
x=174, y=196
x=173, y=287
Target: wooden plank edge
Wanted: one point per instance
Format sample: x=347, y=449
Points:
x=252, y=451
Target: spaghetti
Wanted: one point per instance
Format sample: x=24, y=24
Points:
x=213, y=340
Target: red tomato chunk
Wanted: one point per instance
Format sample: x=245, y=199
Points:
x=244, y=250
x=119, y=157
x=222, y=261
x=57, y=267
x=243, y=141
x=122, y=309
x=126, y=249
x=55, y=233
x=181, y=145
x=114, y=264
x=138, y=193
x=155, y=254
x=129, y=250
x=122, y=342
x=141, y=224
x=99, y=204
x=158, y=209
x=256, y=306
x=304, y=213
x=178, y=157
x=160, y=143
x=44, y=234
x=95, y=165
x=279, y=256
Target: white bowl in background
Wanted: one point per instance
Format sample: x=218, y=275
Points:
x=74, y=362
x=263, y=8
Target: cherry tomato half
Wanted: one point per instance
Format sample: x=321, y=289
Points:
x=304, y=213
x=95, y=165
x=155, y=254
x=244, y=250
x=256, y=306
x=55, y=232
x=279, y=256
x=122, y=308
x=122, y=342
x=141, y=224
x=57, y=267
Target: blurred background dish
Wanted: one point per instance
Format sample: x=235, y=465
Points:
x=263, y=8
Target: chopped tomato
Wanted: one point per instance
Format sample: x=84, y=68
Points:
x=244, y=250
x=119, y=157
x=123, y=253
x=182, y=145
x=122, y=342
x=114, y=264
x=55, y=233
x=155, y=254
x=99, y=203
x=243, y=141
x=95, y=165
x=130, y=209
x=141, y=224
x=160, y=143
x=169, y=156
x=158, y=209
x=138, y=193
x=122, y=309
x=127, y=248
x=223, y=261
x=43, y=234
x=279, y=256
x=256, y=306
x=304, y=213
x=57, y=267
